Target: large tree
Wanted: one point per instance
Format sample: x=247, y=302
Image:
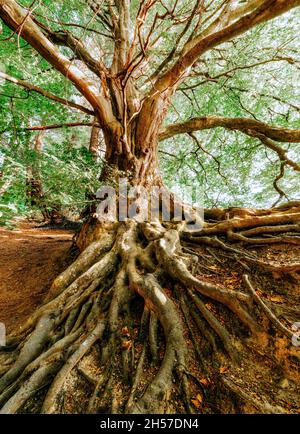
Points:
x=130, y=62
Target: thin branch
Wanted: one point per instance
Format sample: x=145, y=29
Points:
x=20, y=21
x=167, y=60
x=64, y=125
x=277, y=187
x=230, y=72
x=228, y=14
x=267, y=11
x=209, y=154
x=282, y=153
x=45, y=93
x=264, y=132
x=80, y=26
x=65, y=38
x=266, y=309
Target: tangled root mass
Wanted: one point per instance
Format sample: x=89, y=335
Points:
x=131, y=326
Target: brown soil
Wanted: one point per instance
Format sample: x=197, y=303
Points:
x=30, y=259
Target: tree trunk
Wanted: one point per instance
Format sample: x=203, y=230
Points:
x=129, y=328
x=36, y=197
x=95, y=139
x=125, y=158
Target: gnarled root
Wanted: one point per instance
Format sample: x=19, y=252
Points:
x=130, y=325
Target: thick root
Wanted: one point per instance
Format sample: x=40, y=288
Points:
x=131, y=325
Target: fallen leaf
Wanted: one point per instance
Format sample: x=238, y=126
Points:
x=276, y=298
x=197, y=401
x=125, y=331
x=223, y=369
x=126, y=345
x=205, y=382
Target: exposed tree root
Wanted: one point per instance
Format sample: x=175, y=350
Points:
x=262, y=407
x=117, y=320
x=245, y=224
x=267, y=311
x=246, y=256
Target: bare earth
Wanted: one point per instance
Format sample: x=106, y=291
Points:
x=30, y=259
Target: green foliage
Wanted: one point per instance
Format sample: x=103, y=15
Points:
x=257, y=87
x=66, y=170
x=257, y=75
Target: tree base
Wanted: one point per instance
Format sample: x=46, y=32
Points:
x=150, y=318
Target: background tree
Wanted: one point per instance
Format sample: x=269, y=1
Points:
x=145, y=72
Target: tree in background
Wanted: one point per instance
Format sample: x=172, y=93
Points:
x=136, y=67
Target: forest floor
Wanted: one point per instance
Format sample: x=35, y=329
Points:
x=268, y=372
x=31, y=257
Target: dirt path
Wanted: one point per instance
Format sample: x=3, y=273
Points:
x=30, y=258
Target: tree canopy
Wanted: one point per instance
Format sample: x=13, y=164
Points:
x=229, y=121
